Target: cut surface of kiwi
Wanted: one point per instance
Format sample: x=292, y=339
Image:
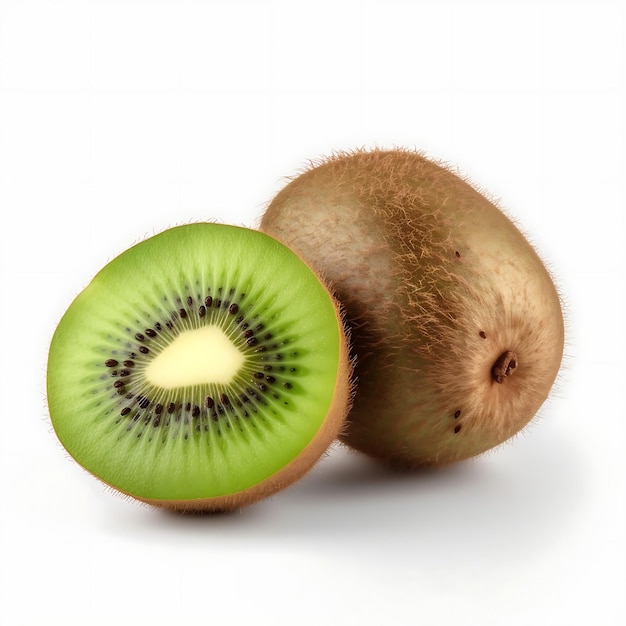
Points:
x=204, y=368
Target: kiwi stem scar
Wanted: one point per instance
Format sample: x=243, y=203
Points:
x=504, y=366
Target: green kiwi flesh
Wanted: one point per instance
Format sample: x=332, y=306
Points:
x=202, y=369
x=455, y=323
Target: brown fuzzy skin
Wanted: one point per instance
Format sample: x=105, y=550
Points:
x=456, y=325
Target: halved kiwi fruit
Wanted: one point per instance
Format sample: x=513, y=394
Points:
x=456, y=324
x=202, y=369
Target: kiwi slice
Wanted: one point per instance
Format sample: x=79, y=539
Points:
x=202, y=369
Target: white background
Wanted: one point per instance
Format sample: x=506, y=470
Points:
x=119, y=119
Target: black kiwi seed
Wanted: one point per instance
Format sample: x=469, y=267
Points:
x=144, y=350
x=150, y=332
x=182, y=313
x=110, y=362
x=129, y=364
x=233, y=309
x=202, y=311
x=139, y=337
x=209, y=402
x=208, y=301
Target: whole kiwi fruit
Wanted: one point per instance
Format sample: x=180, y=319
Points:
x=456, y=325
x=203, y=369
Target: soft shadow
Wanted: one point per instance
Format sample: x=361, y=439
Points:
x=517, y=499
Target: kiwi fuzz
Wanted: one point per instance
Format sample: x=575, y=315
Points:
x=203, y=369
x=457, y=328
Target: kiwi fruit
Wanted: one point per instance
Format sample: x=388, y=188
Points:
x=201, y=370
x=456, y=325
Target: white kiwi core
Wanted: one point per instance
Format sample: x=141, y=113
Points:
x=195, y=357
